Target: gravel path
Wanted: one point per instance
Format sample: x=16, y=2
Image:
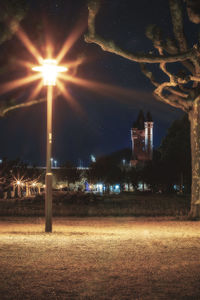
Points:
x=107, y=258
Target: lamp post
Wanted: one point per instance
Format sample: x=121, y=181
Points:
x=18, y=188
x=49, y=70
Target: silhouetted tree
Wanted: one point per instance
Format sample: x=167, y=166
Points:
x=68, y=172
x=176, y=152
x=182, y=90
x=134, y=175
x=107, y=170
x=12, y=13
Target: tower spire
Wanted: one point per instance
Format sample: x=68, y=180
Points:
x=142, y=138
x=149, y=135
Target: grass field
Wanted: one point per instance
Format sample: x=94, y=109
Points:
x=99, y=258
x=87, y=205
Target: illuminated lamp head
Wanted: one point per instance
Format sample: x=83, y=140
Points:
x=49, y=70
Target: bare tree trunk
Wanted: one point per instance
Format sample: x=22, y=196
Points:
x=194, y=117
x=181, y=183
x=27, y=190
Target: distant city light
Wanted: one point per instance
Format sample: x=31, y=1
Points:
x=93, y=158
x=99, y=187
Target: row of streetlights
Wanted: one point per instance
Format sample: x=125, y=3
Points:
x=54, y=163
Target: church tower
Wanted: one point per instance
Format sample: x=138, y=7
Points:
x=142, y=139
x=148, y=124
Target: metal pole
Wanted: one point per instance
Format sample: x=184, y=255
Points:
x=48, y=194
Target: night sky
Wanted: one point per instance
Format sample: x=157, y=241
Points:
x=105, y=125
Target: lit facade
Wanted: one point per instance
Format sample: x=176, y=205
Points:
x=142, y=139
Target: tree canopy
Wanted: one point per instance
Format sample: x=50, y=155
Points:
x=175, y=91
x=181, y=84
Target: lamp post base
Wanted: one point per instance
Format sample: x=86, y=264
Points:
x=48, y=203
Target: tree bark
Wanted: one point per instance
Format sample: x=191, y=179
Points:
x=194, y=117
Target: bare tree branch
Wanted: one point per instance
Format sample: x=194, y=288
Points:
x=183, y=89
x=193, y=10
x=25, y=104
x=110, y=46
x=150, y=76
x=171, y=48
x=195, y=78
x=174, y=96
x=177, y=21
x=172, y=100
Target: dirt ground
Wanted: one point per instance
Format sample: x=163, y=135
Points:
x=105, y=258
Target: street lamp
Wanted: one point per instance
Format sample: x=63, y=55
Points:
x=55, y=163
x=49, y=70
x=52, y=162
x=19, y=188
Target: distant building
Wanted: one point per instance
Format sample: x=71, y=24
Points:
x=142, y=139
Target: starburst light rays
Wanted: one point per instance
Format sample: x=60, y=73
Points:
x=105, y=89
x=115, y=92
x=29, y=45
x=70, y=99
x=11, y=85
x=71, y=40
x=36, y=90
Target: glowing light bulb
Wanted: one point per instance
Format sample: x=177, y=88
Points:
x=50, y=70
